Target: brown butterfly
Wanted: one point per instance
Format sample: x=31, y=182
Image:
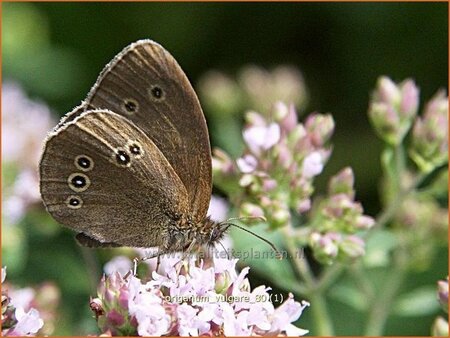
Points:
x=131, y=166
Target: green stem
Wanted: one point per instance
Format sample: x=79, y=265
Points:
x=383, y=304
x=300, y=264
x=399, y=153
x=329, y=276
x=362, y=281
x=387, y=214
x=322, y=321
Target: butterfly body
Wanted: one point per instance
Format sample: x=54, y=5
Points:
x=131, y=166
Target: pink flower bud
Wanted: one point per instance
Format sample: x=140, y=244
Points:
x=303, y=206
x=250, y=209
x=410, y=98
x=364, y=222
x=443, y=294
x=342, y=182
x=287, y=117
x=387, y=91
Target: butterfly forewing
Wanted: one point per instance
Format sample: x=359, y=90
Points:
x=145, y=84
x=104, y=177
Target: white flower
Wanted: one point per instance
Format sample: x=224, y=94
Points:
x=234, y=325
x=218, y=208
x=287, y=313
x=201, y=280
x=27, y=322
x=247, y=163
x=237, y=284
x=120, y=264
x=261, y=308
x=21, y=298
x=191, y=324
x=3, y=274
x=147, y=307
x=25, y=124
x=24, y=192
x=259, y=138
x=159, y=307
x=312, y=165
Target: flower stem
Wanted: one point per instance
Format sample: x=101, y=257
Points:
x=329, y=276
x=322, y=320
x=386, y=215
x=321, y=317
x=383, y=304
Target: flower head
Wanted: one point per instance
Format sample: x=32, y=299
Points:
x=192, y=298
x=18, y=317
x=282, y=158
x=429, y=147
x=393, y=108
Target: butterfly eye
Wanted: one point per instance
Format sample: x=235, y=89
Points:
x=84, y=163
x=78, y=182
x=74, y=202
x=134, y=148
x=130, y=106
x=122, y=158
x=156, y=93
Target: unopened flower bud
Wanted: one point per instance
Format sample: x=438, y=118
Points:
x=443, y=294
x=303, y=205
x=393, y=108
x=440, y=327
x=287, y=116
x=269, y=184
x=280, y=215
x=364, y=222
x=320, y=127
x=410, y=99
x=430, y=134
x=342, y=182
x=325, y=247
x=220, y=93
x=250, y=209
x=246, y=180
x=351, y=247
x=222, y=164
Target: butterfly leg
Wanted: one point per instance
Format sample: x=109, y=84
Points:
x=158, y=261
x=188, y=250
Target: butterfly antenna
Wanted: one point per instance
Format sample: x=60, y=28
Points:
x=259, y=218
x=226, y=251
x=258, y=236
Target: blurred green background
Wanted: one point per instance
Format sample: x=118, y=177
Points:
x=56, y=51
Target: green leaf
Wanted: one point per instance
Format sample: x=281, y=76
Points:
x=350, y=296
x=419, y=302
x=261, y=258
x=378, y=249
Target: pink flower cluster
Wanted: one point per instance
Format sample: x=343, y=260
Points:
x=278, y=167
x=276, y=175
x=192, y=298
x=25, y=124
x=18, y=318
